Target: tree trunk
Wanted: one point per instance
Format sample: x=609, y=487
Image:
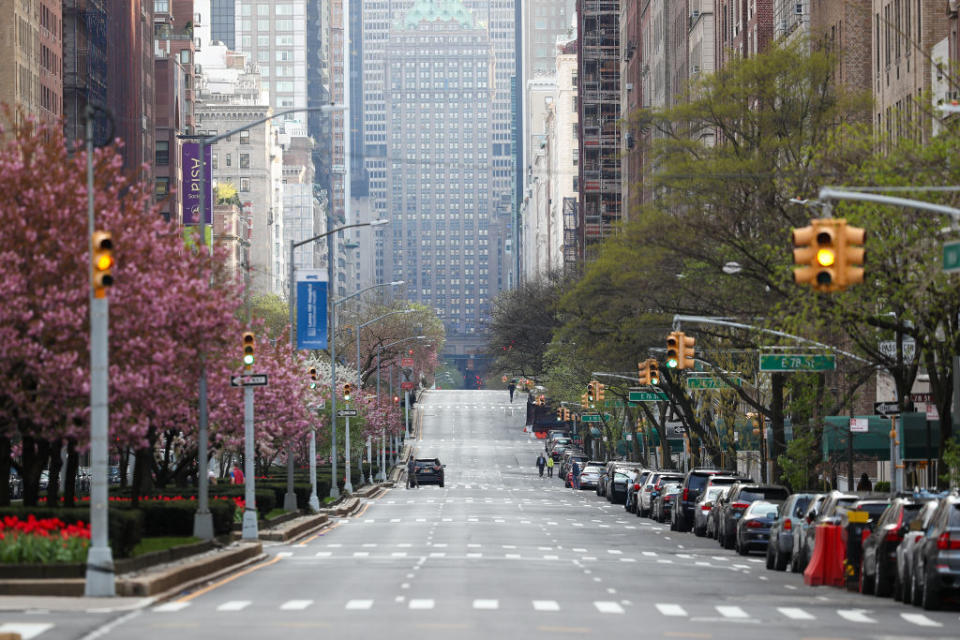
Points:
x=124, y=466
x=70, y=482
x=34, y=455
x=56, y=465
x=4, y=471
x=779, y=440
x=142, y=476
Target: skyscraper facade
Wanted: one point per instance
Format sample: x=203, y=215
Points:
x=445, y=239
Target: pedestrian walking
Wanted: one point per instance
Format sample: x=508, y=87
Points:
x=412, y=474
x=511, y=388
x=575, y=476
x=549, y=466
x=864, y=484
x=541, y=463
x=236, y=476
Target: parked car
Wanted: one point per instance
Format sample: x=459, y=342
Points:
x=653, y=481
x=702, y=510
x=830, y=512
x=740, y=496
x=780, y=547
x=617, y=489
x=607, y=478
x=714, y=513
x=590, y=474
x=936, y=569
x=429, y=471
x=566, y=463
x=665, y=501
x=753, y=528
x=633, y=490
x=878, y=563
x=801, y=554
x=903, y=580
x=693, y=485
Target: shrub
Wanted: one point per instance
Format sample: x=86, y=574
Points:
x=125, y=526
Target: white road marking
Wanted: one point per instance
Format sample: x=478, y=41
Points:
x=234, y=605
x=296, y=605
x=399, y=554
x=795, y=613
x=608, y=607
x=513, y=556
x=546, y=605
x=664, y=561
x=628, y=559
x=685, y=556
x=509, y=546
x=920, y=619
x=854, y=615
x=650, y=553
x=474, y=555
x=394, y=520
x=474, y=546
x=354, y=605
x=25, y=630
x=486, y=604
x=361, y=554
x=421, y=603
x=323, y=554
x=674, y=610
x=615, y=552
x=732, y=612
x=370, y=545
x=579, y=550
x=334, y=546
x=171, y=607
x=437, y=554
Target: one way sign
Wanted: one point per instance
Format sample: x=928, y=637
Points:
x=249, y=380
x=886, y=409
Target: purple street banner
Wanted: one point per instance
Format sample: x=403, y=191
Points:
x=190, y=166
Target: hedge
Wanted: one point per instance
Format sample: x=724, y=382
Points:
x=126, y=526
x=176, y=518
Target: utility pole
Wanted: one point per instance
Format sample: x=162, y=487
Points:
x=250, y=531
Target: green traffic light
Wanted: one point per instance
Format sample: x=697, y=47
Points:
x=248, y=360
x=672, y=363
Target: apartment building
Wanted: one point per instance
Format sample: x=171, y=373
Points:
x=31, y=78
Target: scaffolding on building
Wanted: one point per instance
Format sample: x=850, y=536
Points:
x=600, y=136
x=84, y=65
x=571, y=245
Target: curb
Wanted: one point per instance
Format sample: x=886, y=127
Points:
x=294, y=528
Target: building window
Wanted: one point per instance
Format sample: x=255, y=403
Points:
x=244, y=137
x=244, y=160
x=161, y=186
x=244, y=184
x=229, y=159
x=162, y=153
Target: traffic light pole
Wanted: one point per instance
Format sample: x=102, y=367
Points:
x=249, y=531
x=347, y=484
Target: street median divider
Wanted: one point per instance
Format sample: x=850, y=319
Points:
x=294, y=528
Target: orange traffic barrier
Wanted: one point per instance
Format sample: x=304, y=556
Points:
x=826, y=564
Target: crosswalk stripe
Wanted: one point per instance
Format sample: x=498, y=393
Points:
x=546, y=605
x=854, y=615
x=354, y=605
x=732, y=612
x=234, y=605
x=920, y=619
x=486, y=604
x=795, y=614
x=296, y=605
x=421, y=603
x=674, y=610
x=171, y=607
x=608, y=607
x=25, y=630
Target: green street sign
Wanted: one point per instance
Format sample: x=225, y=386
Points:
x=772, y=362
x=951, y=257
x=710, y=382
x=594, y=417
x=647, y=396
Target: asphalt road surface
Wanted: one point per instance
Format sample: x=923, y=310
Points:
x=501, y=553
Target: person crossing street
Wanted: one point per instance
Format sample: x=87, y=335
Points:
x=541, y=463
x=549, y=466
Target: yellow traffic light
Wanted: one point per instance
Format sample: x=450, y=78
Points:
x=643, y=372
x=673, y=350
x=313, y=377
x=828, y=255
x=600, y=387
x=686, y=355
x=653, y=369
x=249, y=349
x=347, y=390
x=102, y=262
x=559, y=414
x=566, y=414
x=584, y=400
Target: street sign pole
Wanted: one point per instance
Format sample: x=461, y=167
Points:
x=406, y=407
x=250, y=531
x=347, y=485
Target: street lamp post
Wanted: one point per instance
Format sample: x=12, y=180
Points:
x=203, y=519
x=292, y=297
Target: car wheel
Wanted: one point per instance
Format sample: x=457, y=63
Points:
x=771, y=560
x=728, y=542
x=699, y=531
x=441, y=485
x=905, y=585
x=866, y=582
x=742, y=549
x=930, y=597
x=780, y=560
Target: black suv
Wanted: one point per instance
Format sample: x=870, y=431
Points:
x=429, y=471
x=690, y=490
x=741, y=495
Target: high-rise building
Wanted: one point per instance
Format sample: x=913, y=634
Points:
x=84, y=65
x=222, y=22
x=444, y=239
x=31, y=76
x=744, y=29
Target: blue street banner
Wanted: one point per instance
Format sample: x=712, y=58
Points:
x=311, y=309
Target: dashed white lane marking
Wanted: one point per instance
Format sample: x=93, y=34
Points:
x=664, y=561
x=405, y=545
x=296, y=605
x=685, y=556
x=796, y=614
x=579, y=550
x=615, y=552
x=26, y=630
x=474, y=555
x=355, y=605
x=650, y=554
x=234, y=605
x=732, y=612
x=608, y=607
x=440, y=545
x=370, y=545
x=323, y=554
x=474, y=546
x=854, y=615
x=437, y=554
x=421, y=603
x=361, y=554
x=394, y=520
x=334, y=546
x=171, y=607
x=551, y=557
x=546, y=605
x=628, y=559
x=486, y=604
x=512, y=556
x=920, y=619
x=671, y=610
x=512, y=546
x=399, y=554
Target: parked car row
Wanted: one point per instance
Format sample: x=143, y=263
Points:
x=911, y=546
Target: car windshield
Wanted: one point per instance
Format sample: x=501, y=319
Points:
x=762, y=509
x=712, y=493
x=671, y=488
x=697, y=481
x=875, y=509
x=715, y=481
x=954, y=516
x=764, y=493
x=801, y=506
